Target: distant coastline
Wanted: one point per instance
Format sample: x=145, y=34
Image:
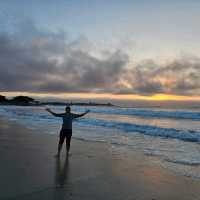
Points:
x=28, y=101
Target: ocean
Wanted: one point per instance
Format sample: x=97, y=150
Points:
x=171, y=135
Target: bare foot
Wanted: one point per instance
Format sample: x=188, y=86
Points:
x=57, y=155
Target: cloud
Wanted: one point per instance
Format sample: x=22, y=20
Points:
x=180, y=77
x=38, y=61
x=34, y=60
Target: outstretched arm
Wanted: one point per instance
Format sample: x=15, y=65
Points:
x=53, y=113
x=81, y=115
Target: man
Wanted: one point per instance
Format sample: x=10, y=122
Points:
x=66, y=131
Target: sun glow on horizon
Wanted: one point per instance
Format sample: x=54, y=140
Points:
x=81, y=96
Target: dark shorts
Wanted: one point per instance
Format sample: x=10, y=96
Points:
x=65, y=133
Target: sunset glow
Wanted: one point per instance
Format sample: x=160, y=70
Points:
x=63, y=96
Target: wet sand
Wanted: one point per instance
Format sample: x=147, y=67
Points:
x=28, y=170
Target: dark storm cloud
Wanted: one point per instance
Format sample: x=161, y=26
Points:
x=42, y=61
x=49, y=62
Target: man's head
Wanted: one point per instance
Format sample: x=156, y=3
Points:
x=67, y=109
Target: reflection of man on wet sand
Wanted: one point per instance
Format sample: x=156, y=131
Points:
x=61, y=173
x=66, y=131
x=62, y=184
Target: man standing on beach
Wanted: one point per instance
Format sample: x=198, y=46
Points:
x=66, y=130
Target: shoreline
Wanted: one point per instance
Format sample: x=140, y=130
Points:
x=28, y=170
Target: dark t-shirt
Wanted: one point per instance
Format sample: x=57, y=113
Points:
x=67, y=119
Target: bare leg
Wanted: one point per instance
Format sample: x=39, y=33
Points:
x=60, y=144
x=68, y=141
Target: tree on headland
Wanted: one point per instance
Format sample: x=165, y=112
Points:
x=28, y=101
x=23, y=99
x=2, y=98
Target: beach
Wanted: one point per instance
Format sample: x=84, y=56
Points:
x=95, y=170
x=120, y=80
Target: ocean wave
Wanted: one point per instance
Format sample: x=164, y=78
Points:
x=184, y=162
x=185, y=135
x=146, y=113
x=138, y=112
x=30, y=117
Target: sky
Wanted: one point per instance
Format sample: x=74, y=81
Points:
x=114, y=49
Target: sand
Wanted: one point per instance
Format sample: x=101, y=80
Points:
x=28, y=170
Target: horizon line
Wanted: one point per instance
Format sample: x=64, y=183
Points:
x=104, y=96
